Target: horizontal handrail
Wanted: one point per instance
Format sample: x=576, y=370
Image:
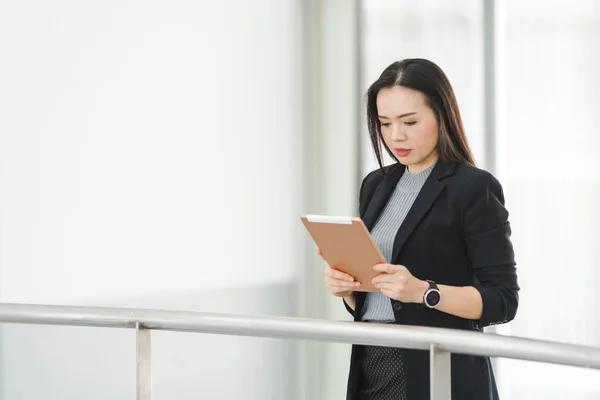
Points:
x=410, y=337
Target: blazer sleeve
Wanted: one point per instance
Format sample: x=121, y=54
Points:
x=487, y=238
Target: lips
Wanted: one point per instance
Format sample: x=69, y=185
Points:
x=402, y=152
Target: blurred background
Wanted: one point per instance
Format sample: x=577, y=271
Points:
x=158, y=154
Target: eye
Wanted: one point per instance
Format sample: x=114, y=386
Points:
x=410, y=123
x=386, y=124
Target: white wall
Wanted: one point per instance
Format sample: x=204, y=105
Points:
x=142, y=142
x=147, y=149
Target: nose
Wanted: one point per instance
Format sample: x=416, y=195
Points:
x=398, y=134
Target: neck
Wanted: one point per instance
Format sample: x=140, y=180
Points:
x=423, y=165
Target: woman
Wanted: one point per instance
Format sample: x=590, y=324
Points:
x=441, y=224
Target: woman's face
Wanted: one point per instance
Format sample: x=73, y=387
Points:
x=408, y=126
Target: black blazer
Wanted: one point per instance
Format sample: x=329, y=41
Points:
x=456, y=233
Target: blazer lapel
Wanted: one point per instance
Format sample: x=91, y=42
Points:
x=429, y=192
x=382, y=195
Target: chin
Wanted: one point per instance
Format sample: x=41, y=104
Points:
x=406, y=162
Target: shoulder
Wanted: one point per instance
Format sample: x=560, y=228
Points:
x=472, y=185
x=471, y=173
x=470, y=178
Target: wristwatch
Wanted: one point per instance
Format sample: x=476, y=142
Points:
x=432, y=297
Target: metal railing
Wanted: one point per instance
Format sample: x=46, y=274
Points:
x=440, y=342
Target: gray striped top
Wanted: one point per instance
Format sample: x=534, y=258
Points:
x=377, y=306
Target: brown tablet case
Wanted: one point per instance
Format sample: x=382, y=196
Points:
x=346, y=245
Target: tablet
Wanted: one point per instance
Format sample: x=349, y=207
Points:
x=346, y=245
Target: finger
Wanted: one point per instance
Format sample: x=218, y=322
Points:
x=398, y=277
x=387, y=268
x=385, y=278
x=341, y=283
x=334, y=273
x=338, y=289
x=390, y=286
x=346, y=285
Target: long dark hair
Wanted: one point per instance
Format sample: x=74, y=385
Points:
x=426, y=77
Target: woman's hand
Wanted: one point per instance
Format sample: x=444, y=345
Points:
x=396, y=282
x=337, y=282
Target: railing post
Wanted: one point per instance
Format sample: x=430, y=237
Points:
x=144, y=372
x=439, y=374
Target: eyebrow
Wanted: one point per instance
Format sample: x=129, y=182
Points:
x=399, y=116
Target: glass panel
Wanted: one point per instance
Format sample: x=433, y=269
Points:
x=548, y=163
x=191, y=366
x=525, y=380
x=449, y=33
x=66, y=363
x=72, y=363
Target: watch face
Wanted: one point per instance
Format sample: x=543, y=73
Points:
x=433, y=298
